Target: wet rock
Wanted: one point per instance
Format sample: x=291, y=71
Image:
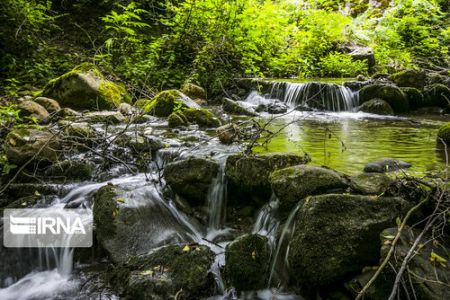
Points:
x=293, y=184
x=18, y=190
x=389, y=93
x=193, y=91
x=376, y=106
x=444, y=133
x=247, y=262
x=370, y=183
x=171, y=272
x=77, y=131
x=356, y=85
x=24, y=144
x=337, y=235
x=415, y=97
x=127, y=109
x=69, y=170
x=134, y=221
x=202, y=117
x=248, y=176
x=167, y=102
x=32, y=110
x=191, y=178
x=437, y=78
x=85, y=88
x=68, y=113
x=50, y=105
x=228, y=133
x=109, y=117
x=277, y=107
x=24, y=202
x=409, y=78
x=235, y=108
x=139, y=143
x=437, y=95
x=430, y=275
x=386, y=165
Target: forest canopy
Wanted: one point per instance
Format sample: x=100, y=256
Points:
x=161, y=44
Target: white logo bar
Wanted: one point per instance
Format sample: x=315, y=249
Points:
x=47, y=227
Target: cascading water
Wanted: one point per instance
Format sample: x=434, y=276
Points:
x=267, y=223
x=315, y=95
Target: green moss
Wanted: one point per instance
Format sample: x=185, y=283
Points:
x=444, y=133
x=113, y=93
x=193, y=91
x=141, y=103
x=177, y=119
x=88, y=67
x=247, y=262
x=201, y=117
x=409, y=78
x=165, y=103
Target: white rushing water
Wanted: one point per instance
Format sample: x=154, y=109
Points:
x=322, y=96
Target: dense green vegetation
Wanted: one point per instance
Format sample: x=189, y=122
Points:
x=154, y=45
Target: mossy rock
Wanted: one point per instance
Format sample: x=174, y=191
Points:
x=133, y=221
x=415, y=97
x=69, y=170
x=444, y=133
x=376, y=106
x=177, y=119
x=409, y=78
x=247, y=262
x=248, y=175
x=108, y=117
x=437, y=95
x=181, y=270
x=386, y=164
x=24, y=144
x=337, y=235
x=235, y=108
x=370, y=183
x=389, y=93
x=85, y=88
x=191, y=178
x=193, y=91
x=292, y=184
x=166, y=102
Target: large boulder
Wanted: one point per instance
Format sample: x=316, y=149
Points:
x=427, y=271
x=248, y=175
x=362, y=53
x=171, y=272
x=32, y=110
x=292, y=184
x=247, y=262
x=336, y=235
x=200, y=116
x=386, y=165
x=24, y=144
x=409, y=78
x=85, y=88
x=376, y=106
x=235, y=108
x=191, y=178
x=69, y=170
x=166, y=102
x=389, y=93
x=437, y=95
x=131, y=222
x=193, y=91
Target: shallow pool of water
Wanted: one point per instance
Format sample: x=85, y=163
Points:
x=348, y=141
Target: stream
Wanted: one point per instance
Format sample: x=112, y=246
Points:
x=337, y=137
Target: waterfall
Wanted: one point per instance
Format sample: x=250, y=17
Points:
x=317, y=95
x=267, y=222
x=216, y=199
x=279, y=268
